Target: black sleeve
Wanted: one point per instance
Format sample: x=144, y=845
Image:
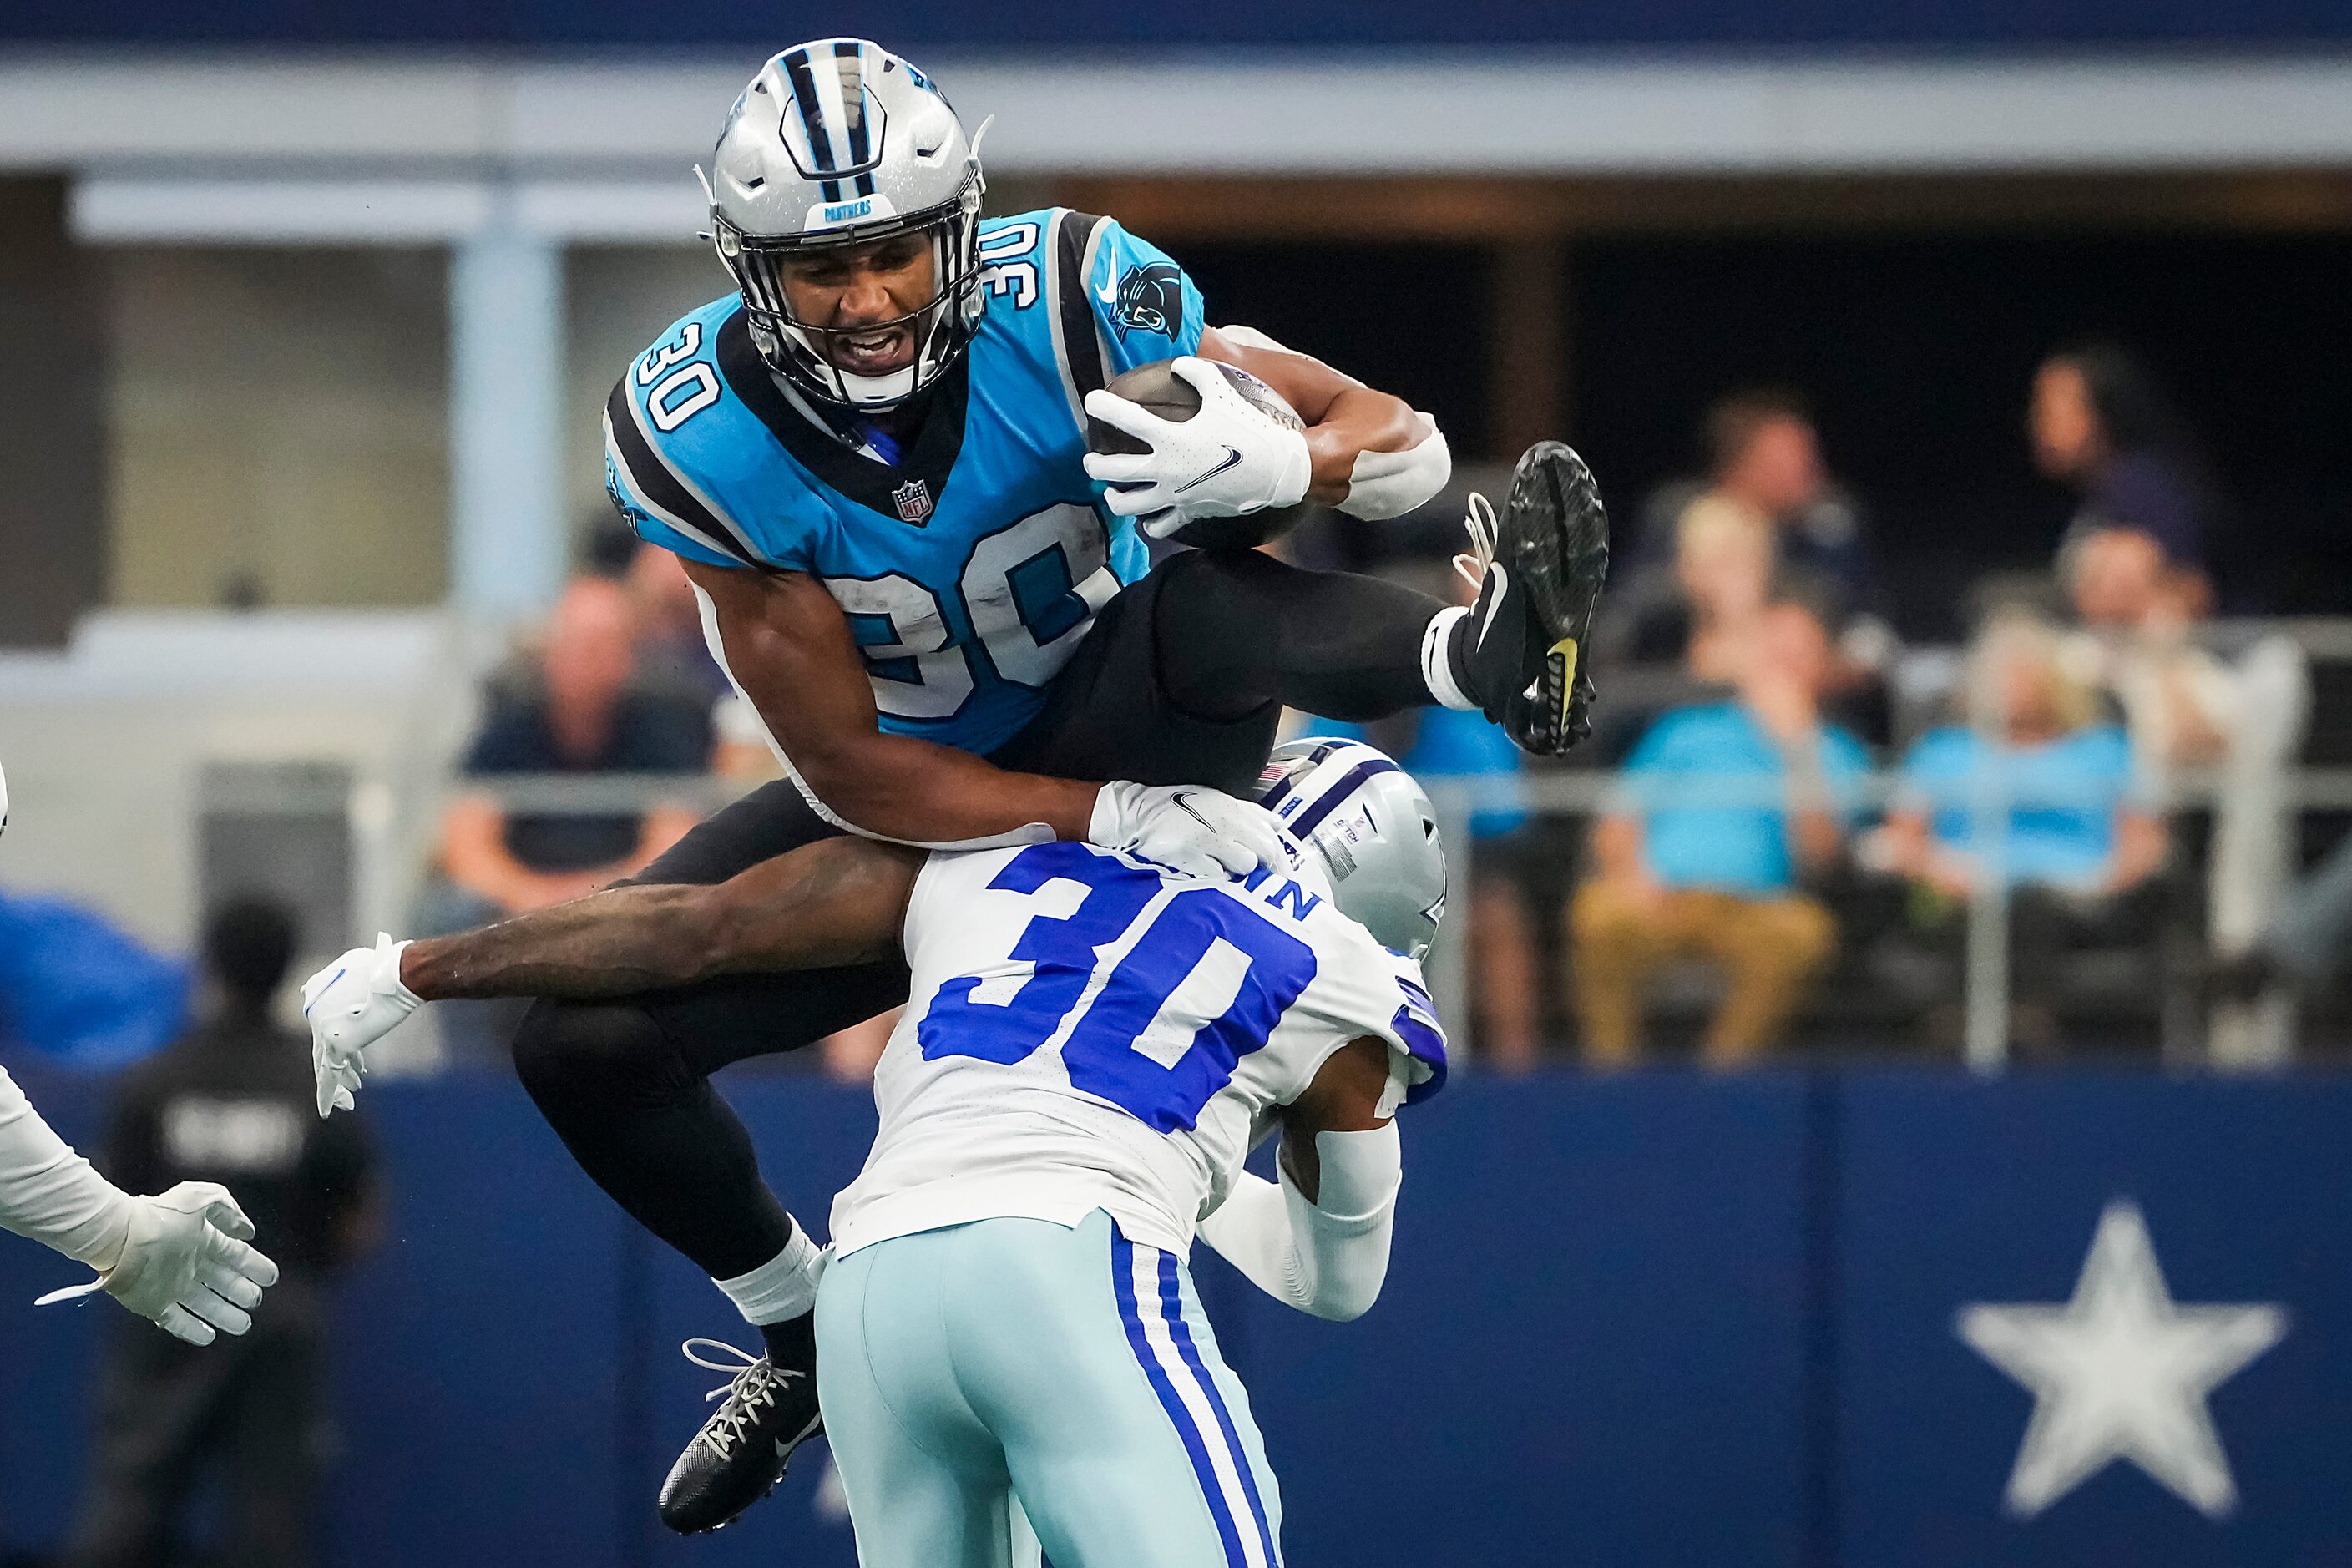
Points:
x=668, y=734
x=504, y=743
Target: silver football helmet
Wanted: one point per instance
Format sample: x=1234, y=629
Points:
x=842, y=143
x=1371, y=828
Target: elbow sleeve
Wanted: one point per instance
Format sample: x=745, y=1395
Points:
x=1327, y=1257
x=1388, y=484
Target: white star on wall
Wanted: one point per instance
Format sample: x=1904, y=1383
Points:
x=2121, y=1373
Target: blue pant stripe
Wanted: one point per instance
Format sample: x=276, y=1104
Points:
x=1122, y=1271
x=1171, y=1304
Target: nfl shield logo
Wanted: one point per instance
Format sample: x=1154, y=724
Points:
x=913, y=500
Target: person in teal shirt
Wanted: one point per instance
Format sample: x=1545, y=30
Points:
x=1725, y=808
x=2078, y=844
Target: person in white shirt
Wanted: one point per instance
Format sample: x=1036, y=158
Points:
x=1092, y=1045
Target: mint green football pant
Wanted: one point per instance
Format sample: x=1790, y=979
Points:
x=1070, y=1369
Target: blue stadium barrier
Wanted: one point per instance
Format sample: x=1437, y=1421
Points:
x=1659, y=1317
x=1952, y=1192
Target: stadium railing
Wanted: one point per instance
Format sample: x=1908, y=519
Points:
x=1986, y=982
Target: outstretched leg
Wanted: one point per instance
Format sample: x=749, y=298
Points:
x=626, y=1086
x=1185, y=675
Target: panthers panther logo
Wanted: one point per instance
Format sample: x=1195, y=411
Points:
x=1151, y=299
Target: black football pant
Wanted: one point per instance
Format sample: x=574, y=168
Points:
x=1182, y=680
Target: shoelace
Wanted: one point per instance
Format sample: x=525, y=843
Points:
x=1479, y=520
x=752, y=1382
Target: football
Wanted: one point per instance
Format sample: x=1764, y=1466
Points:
x=1157, y=387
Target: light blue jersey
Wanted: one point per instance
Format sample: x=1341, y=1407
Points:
x=970, y=564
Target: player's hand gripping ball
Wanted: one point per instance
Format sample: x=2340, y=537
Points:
x=1230, y=478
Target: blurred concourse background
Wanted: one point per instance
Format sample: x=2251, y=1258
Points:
x=1965, y=379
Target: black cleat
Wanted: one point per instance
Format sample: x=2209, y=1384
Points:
x=741, y=1451
x=1519, y=650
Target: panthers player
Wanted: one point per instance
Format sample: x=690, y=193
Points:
x=872, y=458
x=1092, y=1043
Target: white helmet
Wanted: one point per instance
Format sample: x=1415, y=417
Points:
x=1372, y=830
x=842, y=143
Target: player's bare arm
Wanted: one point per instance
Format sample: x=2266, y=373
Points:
x=1345, y=418
x=789, y=647
x=838, y=902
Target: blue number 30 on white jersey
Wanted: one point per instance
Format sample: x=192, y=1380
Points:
x=972, y=563
x=1086, y=1031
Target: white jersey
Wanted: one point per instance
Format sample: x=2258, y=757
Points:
x=1086, y=1031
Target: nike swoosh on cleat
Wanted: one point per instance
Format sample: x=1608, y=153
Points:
x=1232, y=457
x=1566, y=651
x=1502, y=586
x=787, y=1450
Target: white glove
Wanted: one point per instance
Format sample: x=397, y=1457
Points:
x=1198, y=831
x=1227, y=460
x=352, y=1003
x=185, y=1265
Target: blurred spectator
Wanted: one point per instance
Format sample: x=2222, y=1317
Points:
x=671, y=648
x=1704, y=551
x=585, y=715
x=2138, y=612
x=1723, y=568
x=2184, y=708
x=2074, y=840
x=2102, y=425
x=674, y=656
x=231, y=1102
x=1764, y=457
x=1729, y=804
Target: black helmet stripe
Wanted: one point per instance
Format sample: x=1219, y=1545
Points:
x=819, y=135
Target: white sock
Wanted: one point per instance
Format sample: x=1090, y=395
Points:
x=779, y=1289
x=1437, y=657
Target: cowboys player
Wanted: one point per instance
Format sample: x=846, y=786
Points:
x=1092, y=1043
x=872, y=460
x=178, y=1260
